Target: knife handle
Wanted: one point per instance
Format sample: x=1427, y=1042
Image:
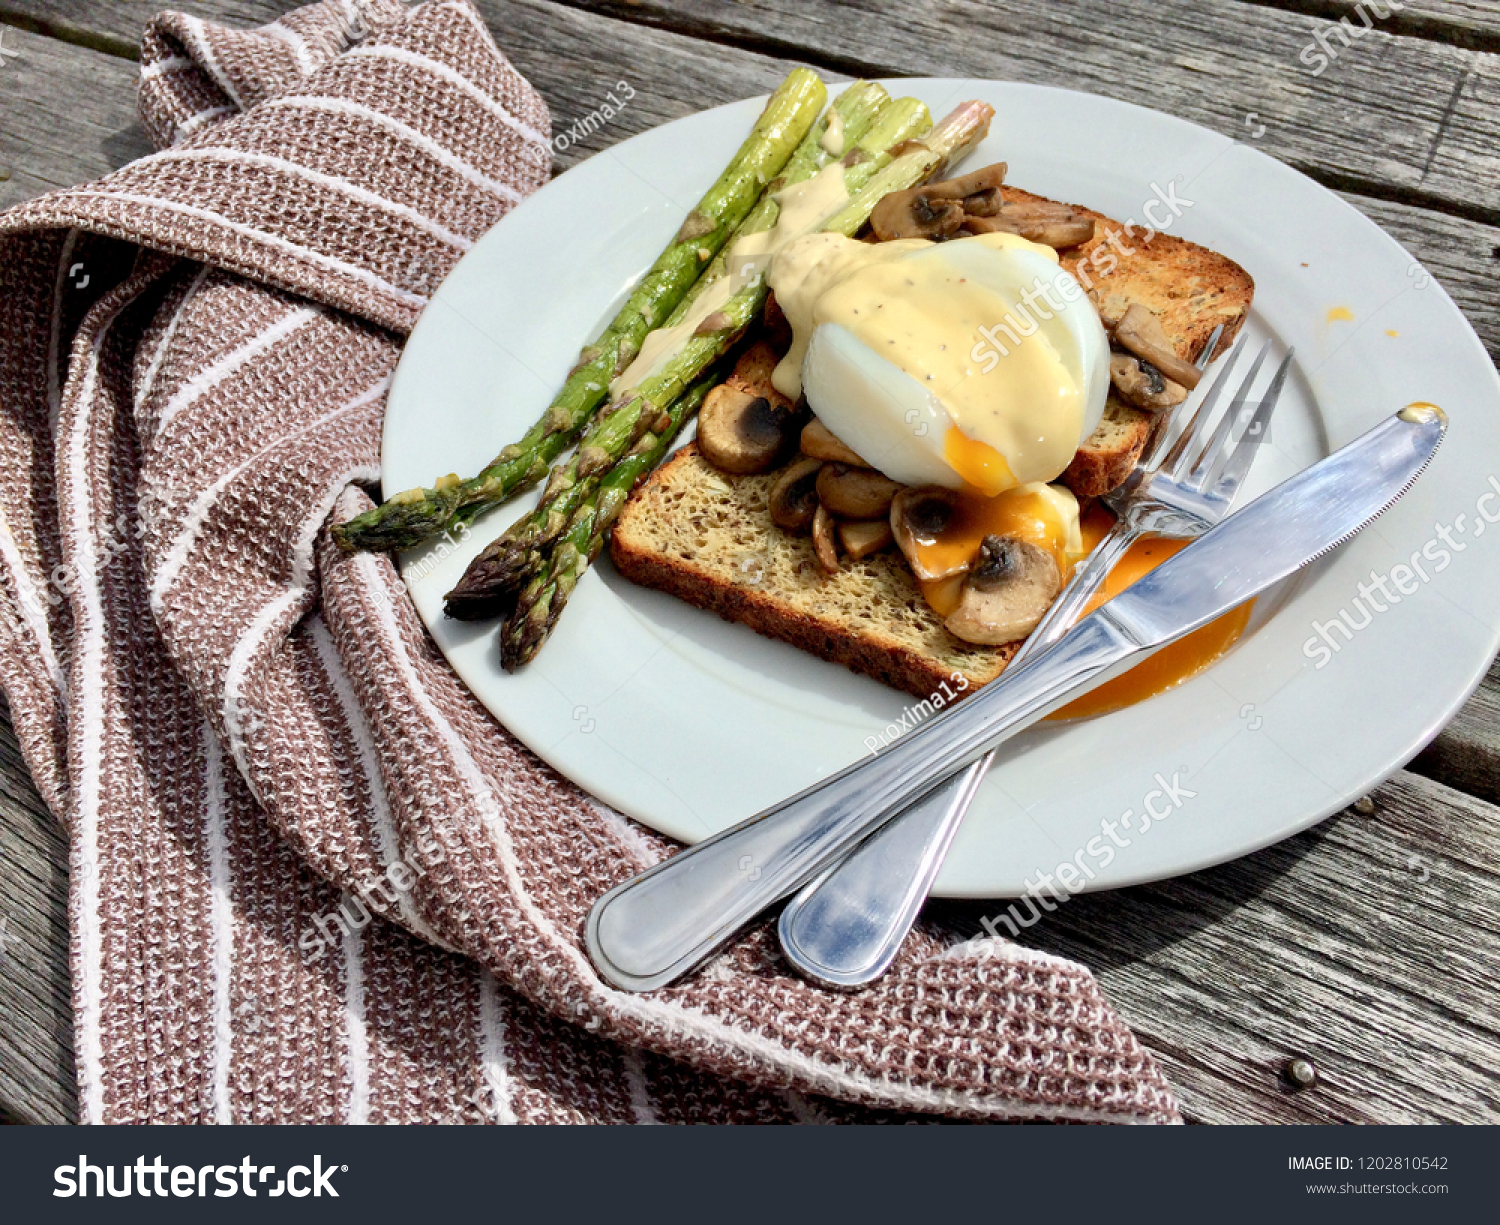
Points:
x=654, y=928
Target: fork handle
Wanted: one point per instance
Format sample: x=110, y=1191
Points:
x=846, y=927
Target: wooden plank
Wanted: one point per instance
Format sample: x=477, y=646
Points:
x=69, y=115
x=1221, y=63
x=1217, y=62
x=574, y=58
x=1472, y=24
x=36, y=1030
x=1460, y=23
x=116, y=27
x=1337, y=944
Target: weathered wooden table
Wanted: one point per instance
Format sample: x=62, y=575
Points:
x=1369, y=944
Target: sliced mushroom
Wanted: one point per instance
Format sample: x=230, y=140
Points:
x=1142, y=385
x=1053, y=225
x=794, y=497
x=939, y=210
x=825, y=545
x=740, y=433
x=818, y=441
x=987, y=203
x=855, y=493
x=1010, y=586
x=1140, y=331
x=916, y=213
x=918, y=517
x=992, y=224
x=862, y=538
x=985, y=179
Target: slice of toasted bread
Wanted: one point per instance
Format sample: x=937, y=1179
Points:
x=708, y=538
x=1105, y=460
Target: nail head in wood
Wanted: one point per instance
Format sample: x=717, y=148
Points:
x=1300, y=1072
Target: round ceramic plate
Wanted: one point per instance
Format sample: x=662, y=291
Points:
x=691, y=724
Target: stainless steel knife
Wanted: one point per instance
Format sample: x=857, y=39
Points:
x=656, y=927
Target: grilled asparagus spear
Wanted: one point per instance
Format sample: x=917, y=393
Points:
x=587, y=530
x=408, y=518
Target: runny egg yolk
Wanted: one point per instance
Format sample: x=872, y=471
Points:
x=977, y=463
x=1021, y=513
x=1172, y=665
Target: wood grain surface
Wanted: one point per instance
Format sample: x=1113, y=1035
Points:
x=1366, y=944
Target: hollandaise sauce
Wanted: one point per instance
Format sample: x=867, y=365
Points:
x=979, y=359
x=803, y=207
x=922, y=314
x=1172, y=665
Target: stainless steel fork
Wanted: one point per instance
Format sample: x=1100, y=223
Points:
x=846, y=927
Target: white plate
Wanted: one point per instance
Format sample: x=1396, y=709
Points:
x=690, y=724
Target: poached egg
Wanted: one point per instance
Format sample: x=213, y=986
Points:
x=978, y=364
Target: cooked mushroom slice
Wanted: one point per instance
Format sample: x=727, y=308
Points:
x=824, y=543
x=985, y=179
x=1142, y=385
x=918, y=518
x=1010, y=586
x=739, y=432
x=987, y=203
x=794, y=497
x=915, y=214
x=855, y=493
x=1053, y=225
x=986, y=224
x=860, y=539
x=819, y=442
x=1140, y=331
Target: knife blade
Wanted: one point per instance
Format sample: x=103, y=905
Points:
x=654, y=928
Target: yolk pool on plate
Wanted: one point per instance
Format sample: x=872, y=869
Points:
x=1173, y=664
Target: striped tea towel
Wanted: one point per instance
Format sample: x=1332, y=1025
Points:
x=312, y=879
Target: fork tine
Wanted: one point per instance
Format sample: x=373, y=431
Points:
x=1218, y=441
x=1230, y=469
x=1205, y=410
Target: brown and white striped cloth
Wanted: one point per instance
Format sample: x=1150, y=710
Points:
x=312, y=879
